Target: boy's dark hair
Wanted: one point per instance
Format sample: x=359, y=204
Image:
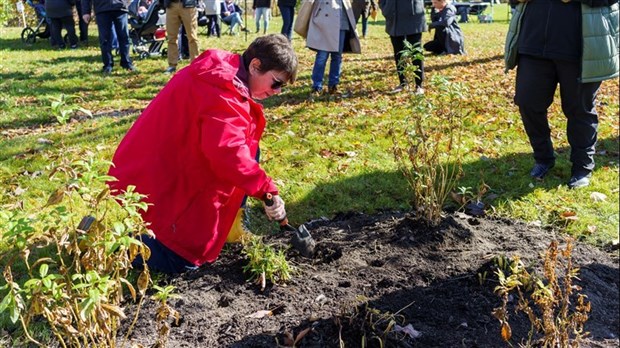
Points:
x=275, y=53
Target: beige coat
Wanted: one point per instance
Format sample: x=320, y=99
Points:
x=323, y=29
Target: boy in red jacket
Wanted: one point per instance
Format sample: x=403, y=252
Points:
x=192, y=151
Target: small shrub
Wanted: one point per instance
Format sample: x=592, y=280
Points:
x=74, y=278
x=428, y=151
x=546, y=301
x=265, y=263
x=164, y=312
x=62, y=108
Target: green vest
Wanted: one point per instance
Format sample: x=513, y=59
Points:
x=599, y=57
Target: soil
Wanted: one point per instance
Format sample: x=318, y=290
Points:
x=373, y=272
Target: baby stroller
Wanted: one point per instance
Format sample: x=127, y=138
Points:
x=147, y=31
x=42, y=30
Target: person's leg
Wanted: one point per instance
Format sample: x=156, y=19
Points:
x=267, y=14
x=335, y=64
x=218, y=26
x=122, y=33
x=173, y=25
x=104, y=26
x=364, y=25
x=189, y=16
x=536, y=82
x=162, y=259
x=69, y=25
x=398, y=44
x=288, y=14
x=210, y=27
x=81, y=24
x=55, y=31
x=416, y=41
x=578, y=104
x=182, y=41
x=230, y=20
x=238, y=20
x=319, y=70
x=258, y=13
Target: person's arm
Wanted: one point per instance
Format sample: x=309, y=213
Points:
x=223, y=143
x=86, y=10
x=445, y=18
x=598, y=3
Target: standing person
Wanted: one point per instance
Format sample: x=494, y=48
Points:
x=192, y=151
x=60, y=13
x=330, y=34
x=363, y=8
x=404, y=20
x=111, y=16
x=231, y=15
x=448, y=38
x=573, y=44
x=180, y=12
x=83, y=26
x=287, y=10
x=212, y=11
x=262, y=8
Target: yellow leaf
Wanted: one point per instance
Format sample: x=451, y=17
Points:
x=143, y=281
x=506, y=332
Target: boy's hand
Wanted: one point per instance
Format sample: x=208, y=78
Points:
x=276, y=210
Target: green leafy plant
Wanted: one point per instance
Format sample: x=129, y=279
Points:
x=552, y=303
x=62, y=108
x=429, y=151
x=74, y=278
x=265, y=263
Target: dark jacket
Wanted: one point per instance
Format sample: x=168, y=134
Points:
x=445, y=21
x=403, y=17
x=261, y=3
x=224, y=8
x=103, y=6
x=599, y=32
x=290, y=3
x=59, y=8
x=186, y=3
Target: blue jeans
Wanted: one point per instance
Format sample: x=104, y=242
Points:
x=162, y=259
x=334, y=66
x=107, y=23
x=265, y=13
x=288, y=15
x=233, y=20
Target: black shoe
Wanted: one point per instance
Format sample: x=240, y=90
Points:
x=74, y=46
x=107, y=70
x=170, y=70
x=540, y=170
x=578, y=181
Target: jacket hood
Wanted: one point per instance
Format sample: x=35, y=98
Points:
x=222, y=69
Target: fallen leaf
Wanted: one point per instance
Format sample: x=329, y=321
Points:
x=325, y=153
x=18, y=191
x=260, y=314
x=408, y=330
x=598, y=197
x=569, y=215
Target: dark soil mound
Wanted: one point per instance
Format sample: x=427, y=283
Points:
x=372, y=273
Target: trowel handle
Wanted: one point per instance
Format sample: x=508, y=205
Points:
x=269, y=202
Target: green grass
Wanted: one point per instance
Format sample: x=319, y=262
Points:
x=327, y=156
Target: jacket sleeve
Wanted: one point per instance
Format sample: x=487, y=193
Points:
x=86, y=7
x=598, y=3
x=224, y=143
x=445, y=19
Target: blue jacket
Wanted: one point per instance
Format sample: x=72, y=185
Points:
x=597, y=42
x=103, y=6
x=59, y=8
x=446, y=20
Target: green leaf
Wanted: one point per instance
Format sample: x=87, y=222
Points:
x=43, y=270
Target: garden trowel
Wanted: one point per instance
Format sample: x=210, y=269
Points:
x=301, y=239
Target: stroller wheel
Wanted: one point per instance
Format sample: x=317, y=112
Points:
x=164, y=52
x=144, y=55
x=28, y=36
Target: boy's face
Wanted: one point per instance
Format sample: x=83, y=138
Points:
x=264, y=84
x=438, y=4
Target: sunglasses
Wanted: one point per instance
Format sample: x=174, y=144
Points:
x=277, y=83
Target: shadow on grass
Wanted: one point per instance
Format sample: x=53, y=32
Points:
x=507, y=176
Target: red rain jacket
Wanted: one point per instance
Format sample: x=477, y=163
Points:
x=192, y=152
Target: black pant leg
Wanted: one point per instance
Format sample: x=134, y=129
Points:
x=578, y=105
x=69, y=25
x=535, y=86
x=55, y=31
x=398, y=43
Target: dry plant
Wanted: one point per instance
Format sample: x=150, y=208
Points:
x=546, y=301
x=73, y=278
x=164, y=312
x=428, y=151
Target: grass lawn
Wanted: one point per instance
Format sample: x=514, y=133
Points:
x=327, y=156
